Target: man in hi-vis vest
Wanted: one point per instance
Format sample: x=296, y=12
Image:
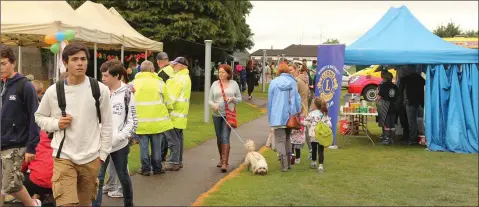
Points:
x=154, y=123
x=179, y=91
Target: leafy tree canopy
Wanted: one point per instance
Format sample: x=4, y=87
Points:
x=331, y=41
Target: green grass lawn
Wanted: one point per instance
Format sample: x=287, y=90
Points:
x=197, y=131
x=359, y=174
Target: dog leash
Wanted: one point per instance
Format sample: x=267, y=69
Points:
x=232, y=129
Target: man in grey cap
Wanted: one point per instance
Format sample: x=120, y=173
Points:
x=178, y=103
x=165, y=70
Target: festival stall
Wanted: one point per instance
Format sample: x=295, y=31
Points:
x=39, y=23
x=451, y=102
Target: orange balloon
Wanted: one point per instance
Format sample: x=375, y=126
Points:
x=50, y=39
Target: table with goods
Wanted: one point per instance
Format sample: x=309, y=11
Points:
x=355, y=116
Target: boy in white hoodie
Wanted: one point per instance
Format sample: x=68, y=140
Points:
x=125, y=123
x=86, y=144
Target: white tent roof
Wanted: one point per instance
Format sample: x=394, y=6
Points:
x=27, y=22
x=113, y=22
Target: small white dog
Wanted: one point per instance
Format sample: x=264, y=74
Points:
x=254, y=160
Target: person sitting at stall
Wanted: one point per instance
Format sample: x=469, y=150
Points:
x=38, y=172
x=387, y=112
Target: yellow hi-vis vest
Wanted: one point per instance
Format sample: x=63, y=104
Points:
x=168, y=70
x=151, y=110
x=179, y=91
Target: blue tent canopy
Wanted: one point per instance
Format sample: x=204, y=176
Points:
x=399, y=38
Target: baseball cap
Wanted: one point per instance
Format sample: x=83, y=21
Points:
x=180, y=60
x=162, y=56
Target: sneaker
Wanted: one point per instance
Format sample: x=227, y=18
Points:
x=143, y=172
x=37, y=202
x=320, y=169
x=115, y=194
x=297, y=161
x=107, y=189
x=159, y=172
x=313, y=165
x=171, y=167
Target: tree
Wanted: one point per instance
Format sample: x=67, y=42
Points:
x=471, y=33
x=331, y=41
x=450, y=30
x=183, y=25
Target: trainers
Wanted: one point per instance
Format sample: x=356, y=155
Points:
x=320, y=169
x=115, y=194
x=37, y=202
x=313, y=165
x=107, y=189
x=143, y=172
x=159, y=172
x=171, y=167
x=297, y=161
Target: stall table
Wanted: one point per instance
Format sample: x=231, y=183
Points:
x=362, y=119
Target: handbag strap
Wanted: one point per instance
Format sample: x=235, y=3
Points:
x=223, y=94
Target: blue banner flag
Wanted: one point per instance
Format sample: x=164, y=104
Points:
x=329, y=75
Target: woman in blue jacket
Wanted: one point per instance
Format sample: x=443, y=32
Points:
x=283, y=101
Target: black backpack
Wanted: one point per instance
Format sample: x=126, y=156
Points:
x=95, y=89
x=20, y=87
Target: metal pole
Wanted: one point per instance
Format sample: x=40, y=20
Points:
x=207, y=79
x=20, y=59
x=122, y=54
x=263, y=89
x=146, y=54
x=95, y=68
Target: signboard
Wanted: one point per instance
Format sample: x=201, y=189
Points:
x=329, y=75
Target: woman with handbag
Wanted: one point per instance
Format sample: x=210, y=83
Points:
x=284, y=108
x=223, y=97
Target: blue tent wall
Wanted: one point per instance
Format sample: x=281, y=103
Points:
x=399, y=38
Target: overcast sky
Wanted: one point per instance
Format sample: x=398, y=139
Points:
x=281, y=23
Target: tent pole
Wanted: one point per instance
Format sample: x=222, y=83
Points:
x=146, y=54
x=95, y=69
x=122, y=53
x=20, y=59
x=208, y=43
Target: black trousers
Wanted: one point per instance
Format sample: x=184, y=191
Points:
x=297, y=152
x=33, y=188
x=251, y=84
x=318, y=150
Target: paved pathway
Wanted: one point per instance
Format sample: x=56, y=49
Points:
x=199, y=173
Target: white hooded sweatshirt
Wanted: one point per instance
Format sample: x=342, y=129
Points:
x=124, y=125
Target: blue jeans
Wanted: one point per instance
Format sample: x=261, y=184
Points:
x=179, y=141
x=153, y=163
x=120, y=161
x=174, y=145
x=222, y=131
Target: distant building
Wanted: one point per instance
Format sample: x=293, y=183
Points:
x=241, y=57
x=468, y=42
x=292, y=52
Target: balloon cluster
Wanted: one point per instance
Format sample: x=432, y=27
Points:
x=138, y=56
x=56, y=39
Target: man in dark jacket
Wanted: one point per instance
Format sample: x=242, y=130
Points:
x=20, y=133
x=412, y=86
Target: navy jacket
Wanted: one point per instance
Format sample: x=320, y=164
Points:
x=18, y=121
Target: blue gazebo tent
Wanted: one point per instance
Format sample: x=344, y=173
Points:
x=451, y=102
x=398, y=38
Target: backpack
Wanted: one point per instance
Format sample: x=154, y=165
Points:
x=323, y=134
x=20, y=87
x=60, y=86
